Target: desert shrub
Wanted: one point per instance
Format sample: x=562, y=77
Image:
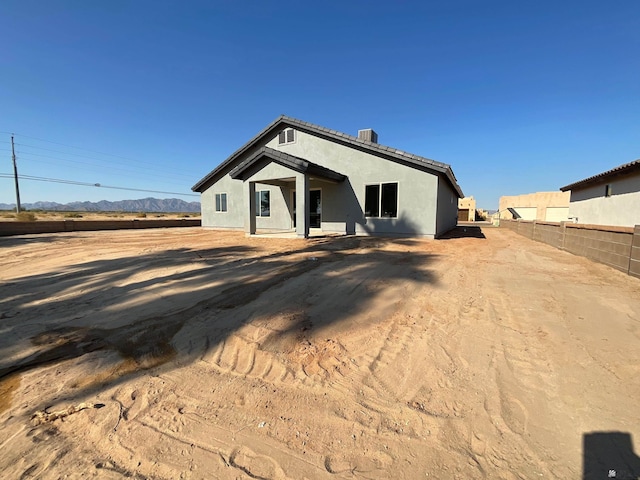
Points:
x=160, y=216
x=141, y=215
x=186, y=215
x=72, y=215
x=8, y=215
x=25, y=217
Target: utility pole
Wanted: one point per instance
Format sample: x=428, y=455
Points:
x=15, y=176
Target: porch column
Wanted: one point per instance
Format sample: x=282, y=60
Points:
x=302, y=205
x=250, y=209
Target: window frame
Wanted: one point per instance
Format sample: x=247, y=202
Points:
x=258, y=201
x=286, y=132
x=608, y=190
x=379, y=212
x=219, y=196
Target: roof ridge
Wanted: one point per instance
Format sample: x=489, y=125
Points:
x=602, y=175
x=340, y=137
x=364, y=142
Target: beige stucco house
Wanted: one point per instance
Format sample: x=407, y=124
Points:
x=295, y=176
x=608, y=198
x=541, y=206
x=467, y=209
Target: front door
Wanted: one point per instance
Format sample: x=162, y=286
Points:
x=315, y=208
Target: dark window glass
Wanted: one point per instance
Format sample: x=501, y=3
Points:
x=221, y=202
x=607, y=191
x=390, y=200
x=290, y=135
x=372, y=201
x=264, y=203
x=281, y=137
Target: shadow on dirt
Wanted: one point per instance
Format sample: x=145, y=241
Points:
x=609, y=455
x=204, y=295
x=463, y=231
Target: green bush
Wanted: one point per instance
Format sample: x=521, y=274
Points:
x=72, y=215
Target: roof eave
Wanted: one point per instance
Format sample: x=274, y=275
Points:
x=614, y=172
x=349, y=140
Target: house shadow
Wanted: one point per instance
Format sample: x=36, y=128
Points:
x=171, y=319
x=609, y=455
x=463, y=231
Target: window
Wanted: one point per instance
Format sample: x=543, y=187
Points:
x=286, y=136
x=381, y=200
x=221, y=202
x=607, y=190
x=262, y=203
x=372, y=201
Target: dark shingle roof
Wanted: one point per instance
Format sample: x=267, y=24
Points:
x=295, y=163
x=626, y=168
x=381, y=150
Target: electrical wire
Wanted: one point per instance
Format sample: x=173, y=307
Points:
x=128, y=160
x=86, y=184
x=26, y=156
x=128, y=163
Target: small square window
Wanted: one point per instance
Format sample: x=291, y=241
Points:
x=287, y=136
x=221, y=202
x=607, y=190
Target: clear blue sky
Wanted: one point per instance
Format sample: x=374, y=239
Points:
x=517, y=96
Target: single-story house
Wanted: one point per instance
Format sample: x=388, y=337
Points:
x=467, y=209
x=608, y=198
x=296, y=176
x=540, y=206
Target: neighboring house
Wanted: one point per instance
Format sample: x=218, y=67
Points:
x=293, y=176
x=467, y=209
x=609, y=198
x=541, y=206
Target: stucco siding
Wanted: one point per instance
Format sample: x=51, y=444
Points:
x=621, y=209
x=533, y=206
x=447, y=213
x=417, y=190
x=234, y=216
x=419, y=194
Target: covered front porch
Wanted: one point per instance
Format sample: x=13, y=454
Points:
x=298, y=208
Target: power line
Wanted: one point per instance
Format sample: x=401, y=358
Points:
x=87, y=157
x=73, y=146
x=146, y=173
x=127, y=159
x=99, y=185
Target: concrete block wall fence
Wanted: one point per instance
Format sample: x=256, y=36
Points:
x=23, y=228
x=617, y=247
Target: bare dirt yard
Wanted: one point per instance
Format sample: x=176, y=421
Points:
x=192, y=353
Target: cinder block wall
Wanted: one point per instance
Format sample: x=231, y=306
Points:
x=23, y=228
x=618, y=247
x=634, y=261
x=610, y=248
x=549, y=233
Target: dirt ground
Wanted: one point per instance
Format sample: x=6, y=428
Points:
x=10, y=216
x=192, y=353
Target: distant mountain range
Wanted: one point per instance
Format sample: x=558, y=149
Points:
x=142, y=205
